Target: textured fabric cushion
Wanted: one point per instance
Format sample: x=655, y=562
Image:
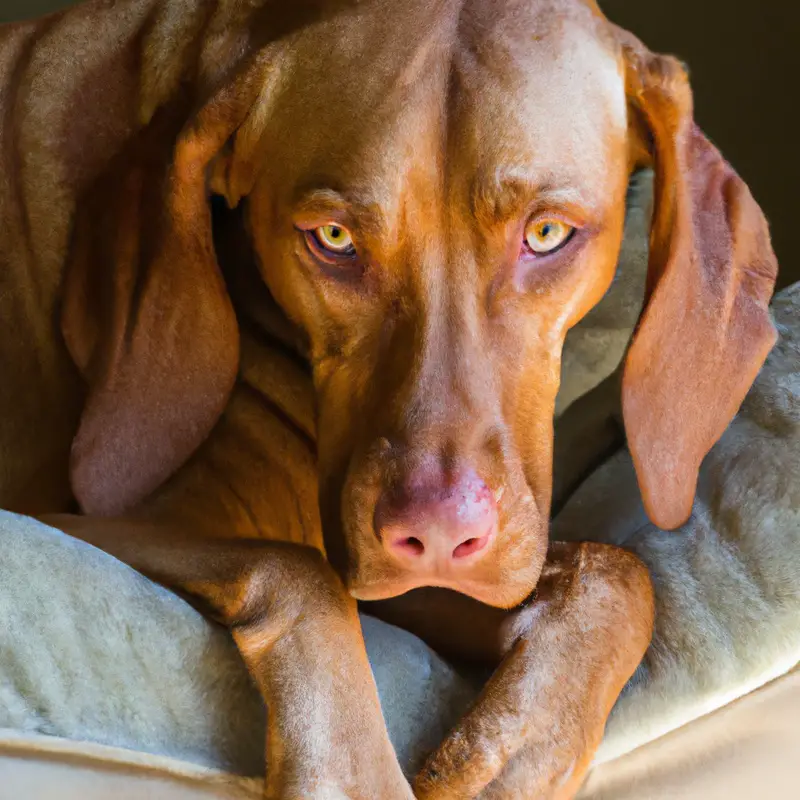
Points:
x=746, y=749
x=91, y=650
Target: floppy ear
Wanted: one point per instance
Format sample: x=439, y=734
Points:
x=705, y=330
x=146, y=314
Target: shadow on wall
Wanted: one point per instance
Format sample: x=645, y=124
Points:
x=745, y=67
x=744, y=62
x=27, y=9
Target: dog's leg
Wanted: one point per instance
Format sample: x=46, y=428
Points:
x=299, y=634
x=565, y=658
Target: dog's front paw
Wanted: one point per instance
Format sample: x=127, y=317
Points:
x=534, y=730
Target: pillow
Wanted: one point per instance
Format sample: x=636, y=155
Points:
x=91, y=650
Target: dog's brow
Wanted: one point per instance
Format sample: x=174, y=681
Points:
x=365, y=211
x=502, y=196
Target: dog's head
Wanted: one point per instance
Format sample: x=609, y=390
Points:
x=436, y=194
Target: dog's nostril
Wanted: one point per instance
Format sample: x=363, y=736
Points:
x=412, y=546
x=470, y=546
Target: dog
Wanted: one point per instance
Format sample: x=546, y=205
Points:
x=284, y=292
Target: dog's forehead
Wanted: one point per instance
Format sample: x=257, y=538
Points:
x=541, y=91
x=373, y=97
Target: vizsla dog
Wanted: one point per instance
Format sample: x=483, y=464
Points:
x=284, y=291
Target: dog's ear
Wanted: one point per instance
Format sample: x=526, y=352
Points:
x=705, y=330
x=146, y=314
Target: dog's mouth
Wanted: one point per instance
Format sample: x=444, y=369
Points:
x=504, y=580
x=496, y=596
x=500, y=595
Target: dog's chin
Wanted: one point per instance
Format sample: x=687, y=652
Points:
x=508, y=593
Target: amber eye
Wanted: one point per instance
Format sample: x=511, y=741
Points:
x=545, y=236
x=334, y=240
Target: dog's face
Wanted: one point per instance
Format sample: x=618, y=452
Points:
x=435, y=220
x=435, y=193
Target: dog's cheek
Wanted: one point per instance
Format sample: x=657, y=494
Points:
x=531, y=420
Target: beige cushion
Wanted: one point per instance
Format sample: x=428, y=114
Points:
x=745, y=750
x=90, y=650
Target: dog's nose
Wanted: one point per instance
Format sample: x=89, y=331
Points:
x=441, y=530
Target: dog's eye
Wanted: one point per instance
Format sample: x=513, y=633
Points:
x=545, y=235
x=334, y=240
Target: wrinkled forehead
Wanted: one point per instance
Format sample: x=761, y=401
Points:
x=540, y=93
x=419, y=88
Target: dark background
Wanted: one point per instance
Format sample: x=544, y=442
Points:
x=745, y=67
